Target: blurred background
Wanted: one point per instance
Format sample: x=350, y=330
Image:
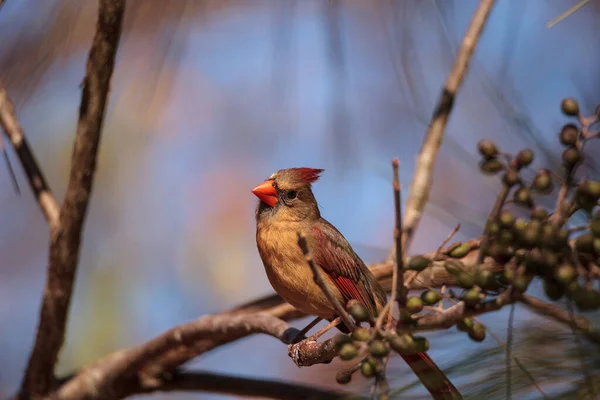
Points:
x=211, y=97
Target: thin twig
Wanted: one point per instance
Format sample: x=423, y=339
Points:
x=584, y=368
x=567, y=13
x=509, y=340
x=398, y=274
x=445, y=242
x=12, y=128
x=11, y=171
x=319, y=280
x=65, y=236
x=500, y=199
x=423, y=177
x=400, y=291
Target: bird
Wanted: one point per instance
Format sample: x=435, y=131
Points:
x=288, y=206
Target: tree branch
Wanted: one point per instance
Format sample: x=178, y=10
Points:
x=247, y=387
x=37, y=181
x=550, y=310
x=423, y=177
x=65, y=236
x=108, y=377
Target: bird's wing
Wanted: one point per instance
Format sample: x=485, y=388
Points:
x=335, y=256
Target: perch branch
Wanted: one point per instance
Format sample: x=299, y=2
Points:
x=423, y=177
x=65, y=235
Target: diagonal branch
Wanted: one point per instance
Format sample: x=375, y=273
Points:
x=319, y=280
x=37, y=181
x=65, y=235
x=423, y=178
x=582, y=324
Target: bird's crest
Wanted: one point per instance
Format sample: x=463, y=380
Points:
x=306, y=175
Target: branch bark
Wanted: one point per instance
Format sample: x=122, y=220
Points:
x=65, y=234
x=12, y=128
x=582, y=324
x=423, y=177
x=247, y=387
x=108, y=377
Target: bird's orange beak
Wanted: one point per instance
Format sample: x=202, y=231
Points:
x=266, y=192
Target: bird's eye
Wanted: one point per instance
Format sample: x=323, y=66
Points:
x=291, y=194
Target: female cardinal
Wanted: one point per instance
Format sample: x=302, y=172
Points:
x=287, y=206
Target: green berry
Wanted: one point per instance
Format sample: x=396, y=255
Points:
x=465, y=324
x=459, y=250
x=485, y=279
x=506, y=237
x=477, y=333
x=454, y=267
x=524, y=158
x=506, y=219
x=421, y=344
x=358, y=312
x=414, y=305
x=403, y=344
x=565, y=274
x=542, y=183
x=571, y=156
x=471, y=297
x=491, y=166
x=539, y=214
x=348, y=352
x=466, y=280
x=511, y=178
x=487, y=148
x=361, y=334
x=431, y=297
x=378, y=349
x=570, y=107
x=590, y=188
x=367, y=369
x=418, y=263
x=492, y=228
x=568, y=135
x=341, y=340
x=523, y=196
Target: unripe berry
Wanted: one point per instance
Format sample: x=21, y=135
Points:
x=570, y=107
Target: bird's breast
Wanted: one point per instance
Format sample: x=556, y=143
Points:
x=288, y=272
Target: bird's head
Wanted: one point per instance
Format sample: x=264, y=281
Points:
x=287, y=195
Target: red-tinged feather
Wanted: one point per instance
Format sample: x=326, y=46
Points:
x=349, y=289
x=306, y=175
x=349, y=273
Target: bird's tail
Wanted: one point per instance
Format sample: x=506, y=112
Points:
x=431, y=376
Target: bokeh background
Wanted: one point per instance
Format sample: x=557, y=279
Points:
x=210, y=97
